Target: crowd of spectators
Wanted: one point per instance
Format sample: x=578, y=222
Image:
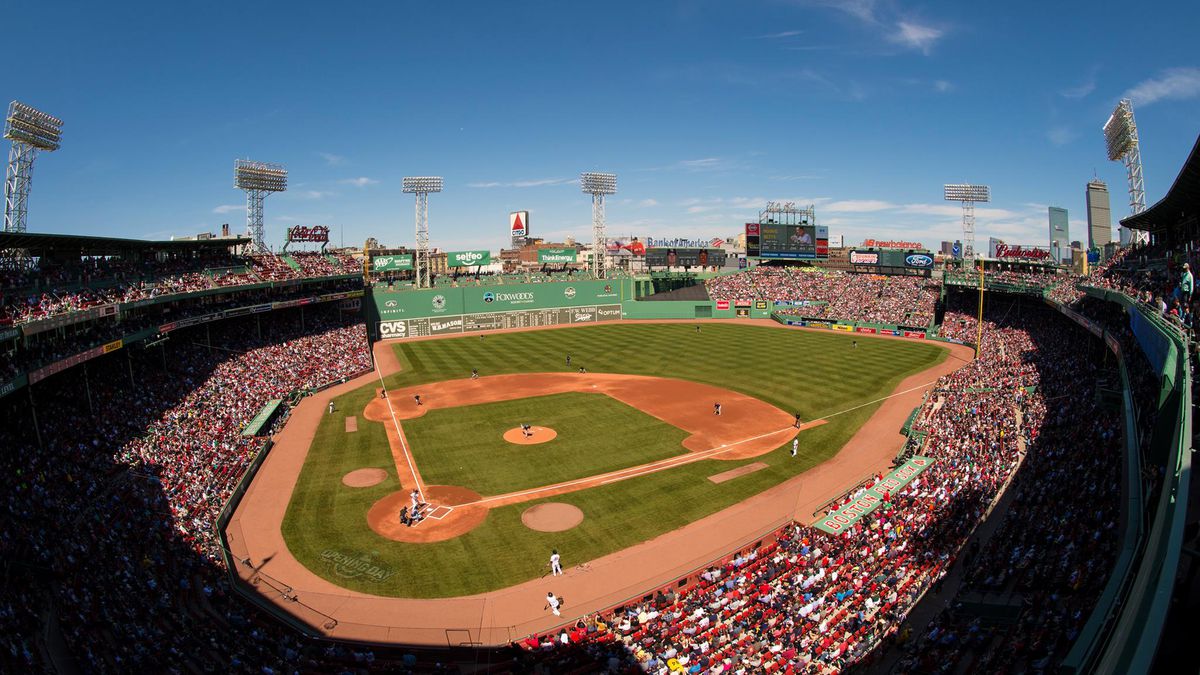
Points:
x=55, y=290
x=50, y=346
x=110, y=523
x=833, y=294
x=812, y=602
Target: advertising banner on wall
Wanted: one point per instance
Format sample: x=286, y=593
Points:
x=468, y=258
x=557, y=256
x=845, y=517
x=312, y=233
x=392, y=263
x=518, y=227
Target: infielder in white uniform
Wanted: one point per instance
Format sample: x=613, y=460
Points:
x=555, y=564
x=553, y=603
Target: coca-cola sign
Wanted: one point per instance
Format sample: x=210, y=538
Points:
x=316, y=233
x=1022, y=252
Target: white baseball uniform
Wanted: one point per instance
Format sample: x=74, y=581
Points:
x=555, y=565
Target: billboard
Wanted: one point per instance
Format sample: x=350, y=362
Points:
x=800, y=242
x=1023, y=253
x=391, y=263
x=919, y=261
x=468, y=258
x=882, y=243
x=557, y=255
x=518, y=226
x=314, y=233
x=439, y=303
x=864, y=258
x=685, y=257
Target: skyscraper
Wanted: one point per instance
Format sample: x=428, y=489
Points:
x=1058, y=226
x=1099, y=218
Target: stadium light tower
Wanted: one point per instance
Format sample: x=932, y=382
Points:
x=258, y=179
x=30, y=130
x=968, y=195
x=421, y=186
x=1121, y=141
x=598, y=185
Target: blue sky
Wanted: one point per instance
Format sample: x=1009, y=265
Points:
x=705, y=110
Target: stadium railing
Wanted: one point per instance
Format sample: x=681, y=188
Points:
x=1122, y=634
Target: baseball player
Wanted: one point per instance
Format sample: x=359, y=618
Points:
x=568, y=359
x=555, y=563
x=474, y=373
x=717, y=409
x=526, y=430
x=417, y=398
x=795, y=446
x=553, y=603
x=416, y=501
x=331, y=407
x=798, y=422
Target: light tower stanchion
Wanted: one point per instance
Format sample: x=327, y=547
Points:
x=30, y=130
x=421, y=187
x=599, y=237
x=1121, y=141
x=598, y=185
x=257, y=180
x=968, y=195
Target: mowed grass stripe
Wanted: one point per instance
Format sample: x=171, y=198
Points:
x=596, y=434
x=811, y=372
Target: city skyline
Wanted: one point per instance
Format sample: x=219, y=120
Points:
x=704, y=110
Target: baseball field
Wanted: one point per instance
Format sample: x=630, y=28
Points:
x=637, y=449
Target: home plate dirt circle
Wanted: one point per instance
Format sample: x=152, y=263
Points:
x=552, y=517
x=540, y=435
x=360, y=478
x=445, y=519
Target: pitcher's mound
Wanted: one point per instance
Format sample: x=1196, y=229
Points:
x=364, y=478
x=540, y=435
x=552, y=517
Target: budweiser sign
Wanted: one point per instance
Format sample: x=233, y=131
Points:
x=1022, y=252
x=879, y=243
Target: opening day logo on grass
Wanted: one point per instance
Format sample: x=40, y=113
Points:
x=352, y=567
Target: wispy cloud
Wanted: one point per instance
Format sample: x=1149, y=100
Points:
x=525, y=183
x=311, y=194
x=332, y=159
x=1080, y=90
x=916, y=36
x=229, y=208
x=802, y=176
x=857, y=206
x=705, y=164
x=942, y=86
x=646, y=203
x=1171, y=84
x=896, y=26
x=360, y=182
x=782, y=34
x=1061, y=135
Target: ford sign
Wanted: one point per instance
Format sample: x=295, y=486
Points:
x=919, y=260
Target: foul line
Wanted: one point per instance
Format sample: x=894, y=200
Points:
x=400, y=434
x=677, y=460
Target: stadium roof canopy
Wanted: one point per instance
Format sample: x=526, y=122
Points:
x=1181, y=201
x=41, y=244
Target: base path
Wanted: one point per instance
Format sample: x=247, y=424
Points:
x=500, y=616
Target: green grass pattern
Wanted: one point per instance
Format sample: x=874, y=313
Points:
x=814, y=373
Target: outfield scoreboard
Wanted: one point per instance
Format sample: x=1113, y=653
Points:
x=780, y=241
x=684, y=257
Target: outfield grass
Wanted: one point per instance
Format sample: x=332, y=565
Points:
x=814, y=373
x=465, y=446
